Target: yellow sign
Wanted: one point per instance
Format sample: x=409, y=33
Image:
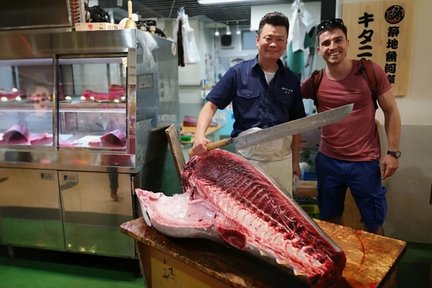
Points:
x=381, y=31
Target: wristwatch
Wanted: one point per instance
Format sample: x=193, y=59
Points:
x=396, y=154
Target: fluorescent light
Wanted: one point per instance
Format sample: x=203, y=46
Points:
x=228, y=30
x=238, y=31
x=207, y=2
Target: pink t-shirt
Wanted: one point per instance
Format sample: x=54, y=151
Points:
x=355, y=137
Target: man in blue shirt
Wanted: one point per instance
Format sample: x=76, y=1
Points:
x=263, y=93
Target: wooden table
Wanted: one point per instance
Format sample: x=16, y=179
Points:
x=171, y=262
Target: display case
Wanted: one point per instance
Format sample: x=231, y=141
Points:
x=84, y=106
x=26, y=112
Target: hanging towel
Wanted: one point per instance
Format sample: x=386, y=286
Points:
x=296, y=40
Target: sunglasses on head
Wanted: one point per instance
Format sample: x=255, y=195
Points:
x=332, y=23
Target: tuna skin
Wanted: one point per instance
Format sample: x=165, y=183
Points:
x=229, y=199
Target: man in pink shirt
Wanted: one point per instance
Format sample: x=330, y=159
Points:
x=349, y=154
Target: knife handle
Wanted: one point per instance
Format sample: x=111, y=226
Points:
x=214, y=145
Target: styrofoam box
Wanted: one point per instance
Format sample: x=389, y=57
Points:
x=92, y=26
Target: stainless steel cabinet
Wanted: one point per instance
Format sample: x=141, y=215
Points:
x=30, y=213
x=93, y=206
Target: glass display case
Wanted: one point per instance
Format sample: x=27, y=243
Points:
x=96, y=98
x=26, y=111
x=83, y=106
x=86, y=85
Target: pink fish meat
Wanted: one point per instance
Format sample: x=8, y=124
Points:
x=115, y=93
x=227, y=199
x=116, y=137
x=11, y=95
x=16, y=134
x=45, y=138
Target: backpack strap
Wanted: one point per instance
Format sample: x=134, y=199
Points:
x=369, y=71
x=317, y=76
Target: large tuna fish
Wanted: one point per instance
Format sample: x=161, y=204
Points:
x=226, y=198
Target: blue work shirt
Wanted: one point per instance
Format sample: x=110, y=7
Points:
x=256, y=104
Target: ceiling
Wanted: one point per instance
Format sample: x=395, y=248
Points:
x=223, y=13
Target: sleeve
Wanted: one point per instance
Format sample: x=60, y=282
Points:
x=224, y=91
x=307, y=88
x=298, y=110
x=383, y=84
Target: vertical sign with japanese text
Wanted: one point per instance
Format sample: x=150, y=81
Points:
x=381, y=31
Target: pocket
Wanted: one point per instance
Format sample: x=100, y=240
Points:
x=248, y=102
x=248, y=94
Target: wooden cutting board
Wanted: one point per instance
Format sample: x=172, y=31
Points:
x=371, y=258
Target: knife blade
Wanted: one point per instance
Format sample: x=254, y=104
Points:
x=285, y=129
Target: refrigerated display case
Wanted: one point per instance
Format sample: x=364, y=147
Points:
x=82, y=107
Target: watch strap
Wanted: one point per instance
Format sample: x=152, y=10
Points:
x=395, y=154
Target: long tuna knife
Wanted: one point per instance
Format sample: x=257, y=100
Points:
x=285, y=129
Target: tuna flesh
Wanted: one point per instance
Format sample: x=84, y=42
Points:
x=16, y=134
x=225, y=198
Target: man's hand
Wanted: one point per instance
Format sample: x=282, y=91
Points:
x=296, y=169
x=199, y=146
x=389, y=165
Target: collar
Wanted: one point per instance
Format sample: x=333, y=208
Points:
x=255, y=64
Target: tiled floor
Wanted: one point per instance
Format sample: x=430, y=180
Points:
x=46, y=269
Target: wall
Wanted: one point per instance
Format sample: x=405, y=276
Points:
x=191, y=75
x=410, y=211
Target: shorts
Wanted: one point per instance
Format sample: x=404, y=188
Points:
x=364, y=180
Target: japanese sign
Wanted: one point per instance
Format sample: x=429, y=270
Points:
x=381, y=31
